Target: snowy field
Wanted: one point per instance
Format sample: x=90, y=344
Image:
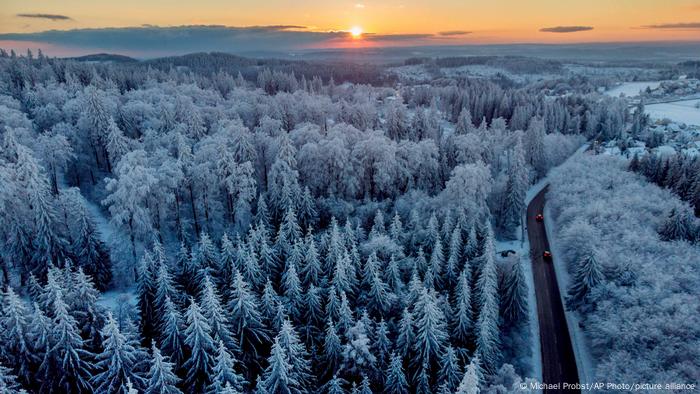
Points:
x=685, y=111
x=632, y=89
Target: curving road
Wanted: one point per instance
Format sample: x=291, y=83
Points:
x=558, y=360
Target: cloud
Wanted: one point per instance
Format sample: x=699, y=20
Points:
x=52, y=17
x=450, y=33
x=565, y=29
x=359, y=5
x=685, y=25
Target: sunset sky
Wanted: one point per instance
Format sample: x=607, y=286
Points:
x=302, y=24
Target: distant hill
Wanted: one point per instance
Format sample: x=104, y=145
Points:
x=105, y=57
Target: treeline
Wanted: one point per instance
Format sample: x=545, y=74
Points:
x=678, y=173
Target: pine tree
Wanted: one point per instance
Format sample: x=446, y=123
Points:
x=396, y=229
x=289, y=232
x=246, y=320
x=171, y=333
x=395, y=379
x=364, y=386
x=146, y=291
x=268, y=302
x=297, y=356
x=224, y=373
x=277, y=378
x=66, y=366
x=118, y=362
x=89, y=314
x=165, y=288
x=312, y=265
x=15, y=344
x=313, y=313
x=250, y=266
x=292, y=291
x=345, y=315
x=487, y=332
x=454, y=259
x=335, y=385
x=382, y=344
x=514, y=301
x=332, y=349
x=392, y=276
x=215, y=315
x=227, y=261
x=450, y=373
x=161, y=378
x=431, y=334
x=464, y=320
x=307, y=208
x=8, y=382
x=676, y=227
x=406, y=338
x=89, y=251
x=588, y=275
x=437, y=259
x=380, y=299
x=198, y=338
x=470, y=382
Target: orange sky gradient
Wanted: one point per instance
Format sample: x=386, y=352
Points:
x=489, y=22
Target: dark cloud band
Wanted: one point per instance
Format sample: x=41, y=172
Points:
x=53, y=17
x=450, y=33
x=691, y=25
x=565, y=29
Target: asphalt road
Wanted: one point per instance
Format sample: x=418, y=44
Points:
x=558, y=360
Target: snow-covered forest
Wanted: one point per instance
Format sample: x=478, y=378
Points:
x=279, y=229
x=631, y=250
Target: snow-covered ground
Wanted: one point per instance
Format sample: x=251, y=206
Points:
x=685, y=111
x=631, y=89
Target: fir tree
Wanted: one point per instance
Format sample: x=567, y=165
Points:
x=198, y=338
x=278, y=377
x=332, y=349
x=171, y=333
x=588, y=275
x=450, y=373
x=66, y=366
x=406, y=338
x=297, y=356
x=431, y=334
x=470, y=381
x=8, y=382
x=118, y=362
x=395, y=379
x=246, y=320
x=161, y=378
x=224, y=374
x=15, y=344
x=514, y=300
x=215, y=315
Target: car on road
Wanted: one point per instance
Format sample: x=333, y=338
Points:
x=547, y=255
x=539, y=217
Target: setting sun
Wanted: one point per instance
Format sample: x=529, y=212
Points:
x=356, y=31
